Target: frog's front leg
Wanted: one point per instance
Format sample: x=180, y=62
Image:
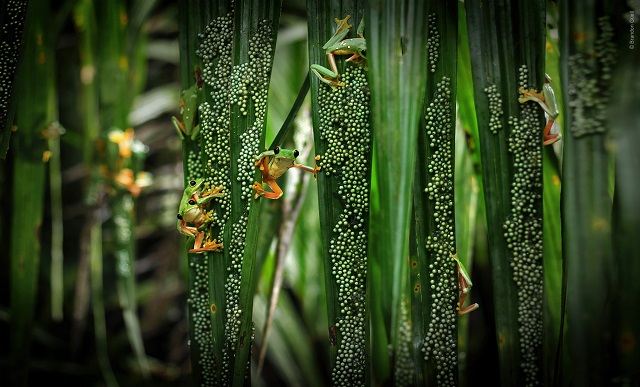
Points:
x=313, y=170
x=182, y=130
x=179, y=125
x=549, y=104
x=186, y=230
x=328, y=76
x=207, y=195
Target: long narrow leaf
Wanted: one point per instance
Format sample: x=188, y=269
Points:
x=33, y=115
x=626, y=216
x=588, y=49
x=507, y=42
x=433, y=191
x=343, y=142
x=397, y=43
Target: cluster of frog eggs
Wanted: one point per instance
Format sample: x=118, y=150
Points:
x=344, y=125
x=12, y=27
x=440, y=344
x=405, y=367
x=589, y=87
x=495, y=108
x=215, y=51
x=194, y=164
x=250, y=81
x=605, y=48
x=433, y=43
x=199, y=304
x=523, y=230
x=249, y=86
x=344, y=120
x=232, y=291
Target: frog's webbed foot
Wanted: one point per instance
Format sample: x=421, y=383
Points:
x=333, y=82
x=468, y=309
x=213, y=191
x=531, y=95
x=343, y=24
x=259, y=190
x=316, y=167
x=208, y=246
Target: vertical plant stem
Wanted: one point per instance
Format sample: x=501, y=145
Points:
x=239, y=46
x=85, y=23
x=397, y=42
x=624, y=117
x=205, y=314
x=255, y=31
x=554, y=273
x=468, y=183
x=33, y=115
x=512, y=173
x=589, y=53
x=54, y=131
x=97, y=302
x=343, y=142
x=434, y=203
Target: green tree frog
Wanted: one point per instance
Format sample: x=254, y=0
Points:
x=192, y=210
x=338, y=45
x=549, y=104
x=189, y=102
x=275, y=163
x=464, y=284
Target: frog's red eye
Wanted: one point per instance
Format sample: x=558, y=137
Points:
x=276, y=150
x=192, y=183
x=295, y=153
x=192, y=202
x=179, y=216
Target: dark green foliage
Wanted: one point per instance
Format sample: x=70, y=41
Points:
x=33, y=116
x=591, y=47
x=512, y=173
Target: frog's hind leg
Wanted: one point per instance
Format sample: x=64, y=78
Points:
x=464, y=290
x=198, y=243
x=277, y=191
x=548, y=137
x=276, y=194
